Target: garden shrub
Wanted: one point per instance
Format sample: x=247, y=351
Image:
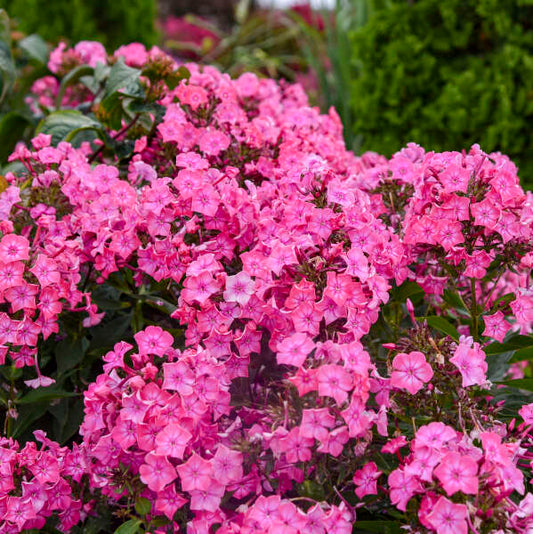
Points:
x=215, y=318
x=446, y=75
x=112, y=23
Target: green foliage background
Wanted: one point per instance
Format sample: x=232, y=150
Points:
x=114, y=22
x=446, y=74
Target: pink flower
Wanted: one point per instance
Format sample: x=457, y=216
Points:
x=153, y=340
x=334, y=381
x=448, y=518
x=410, y=371
x=526, y=413
x=14, y=248
x=239, y=288
x=496, y=326
x=457, y=472
x=366, y=480
x=195, y=474
x=157, y=472
x=172, y=441
x=470, y=360
x=293, y=350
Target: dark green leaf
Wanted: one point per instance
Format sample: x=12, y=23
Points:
x=498, y=365
x=520, y=383
x=522, y=355
x=125, y=80
x=70, y=79
x=515, y=343
x=129, y=527
x=442, y=325
x=107, y=334
x=143, y=506
x=7, y=69
x=406, y=290
x=12, y=127
x=70, y=352
x=45, y=395
x=455, y=301
x=27, y=415
x=63, y=125
x=383, y=527
x=34, y=46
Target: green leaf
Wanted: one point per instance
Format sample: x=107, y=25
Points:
x=124, y=80
x=129, y=527
x=70, y=352
x=519, y=383
x=70, y=79
x=525, y=354
x=383, y=527
x=455, y=301
x=45, y=395
x=65, y=124
x=406, y=290
x=35, y=47
x=12, y=127
x=7, y=66
x=143, y=506
x=515, y=343
x=442, y=325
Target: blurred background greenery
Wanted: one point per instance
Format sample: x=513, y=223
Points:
x=445, y=74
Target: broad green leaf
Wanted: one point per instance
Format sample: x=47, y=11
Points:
x=383, y=527
x=63, y=125
x=12, y=127
x=45, y=395
x=71, y=78
x=124, y=80
x=143, y=506
x=27, y=414
x=522, y=355
x=129, y=527
x=35, y=47
x=406, y=290
x=498, y=365
x=7, y=69
x=442, y=325
x=519, y=383
x=455, y=301
x=515, y=343
x=70, y=352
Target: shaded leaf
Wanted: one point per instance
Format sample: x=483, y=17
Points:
x=129, y=527
x=515, y=343
x=124, y=80
x=442, y=325
x=45, y=395
x=63, y=125
x=35, y=47
x=519, y=383
x=70, y=352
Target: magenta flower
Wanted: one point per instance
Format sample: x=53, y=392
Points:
x=448, y=518
x=410, y=371
x=457, y=472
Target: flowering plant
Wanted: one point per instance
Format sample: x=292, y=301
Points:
x=265, y=333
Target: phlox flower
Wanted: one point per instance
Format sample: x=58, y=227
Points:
x=293, y=350
x=157, y=472
x=169, y=501
x=470, y=360
x=496, y=326
x=227, y=465
x=334, y=381
x=153, y=340
x=195, y=474
x=457, y=472
x=410, y=371
x=14, y=248
x=172, y=441
x=526, y=413
x=239, y=288
x=209, y=498
x=448, y=517
x=366, y=480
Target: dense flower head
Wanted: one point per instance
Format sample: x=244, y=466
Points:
x=274, y=385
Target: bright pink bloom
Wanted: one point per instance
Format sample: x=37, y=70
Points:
x=448, y=517
x=334, y=381
x=172, y=441
x=366, y=480
x=458, y=472
x=239, y=288
x=410, y=371
x=195, y=474
x=157, y=472
x=496, y=326
x=293, y=350
x=153, y=340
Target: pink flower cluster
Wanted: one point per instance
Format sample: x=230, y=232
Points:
x=278, y=249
